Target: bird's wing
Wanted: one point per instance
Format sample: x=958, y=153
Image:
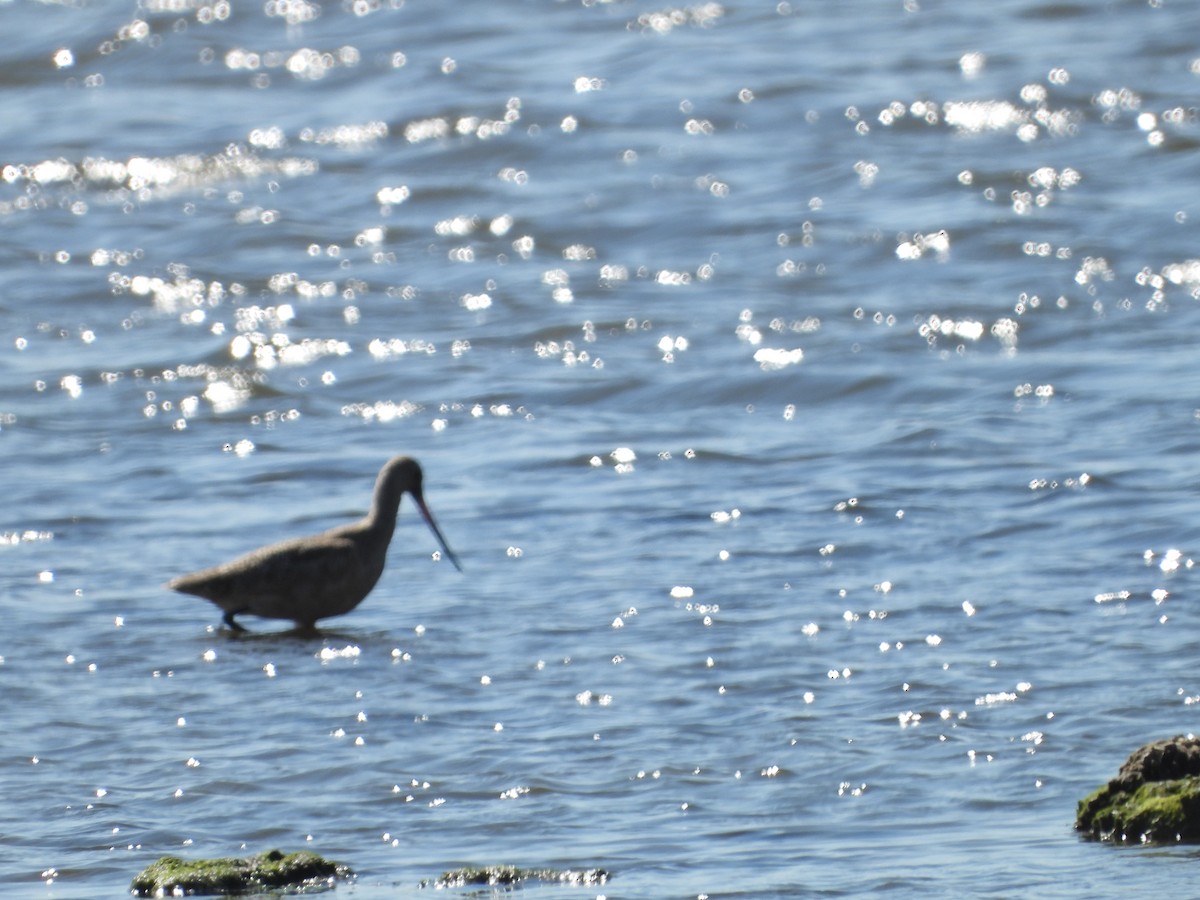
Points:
x=275, y=573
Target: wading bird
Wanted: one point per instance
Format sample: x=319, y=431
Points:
x=312, y=578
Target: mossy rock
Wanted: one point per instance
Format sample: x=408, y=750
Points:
x=272, y=870
x=512, y=875
x=1155, y=798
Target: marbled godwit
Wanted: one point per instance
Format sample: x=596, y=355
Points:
x=311, y=578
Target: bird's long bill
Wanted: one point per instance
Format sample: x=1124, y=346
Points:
x=437, y=533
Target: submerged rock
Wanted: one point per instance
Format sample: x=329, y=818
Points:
x=1155, y=797
x=266, y=871
x=511, y=875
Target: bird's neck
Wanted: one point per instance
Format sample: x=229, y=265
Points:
x=381, y=520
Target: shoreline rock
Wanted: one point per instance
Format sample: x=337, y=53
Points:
x=268, y=871
x=1155, y=797
x=514, y=875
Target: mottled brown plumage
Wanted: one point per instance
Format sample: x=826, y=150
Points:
x=312, y=578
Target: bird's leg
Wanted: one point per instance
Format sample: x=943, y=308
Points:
x=306, y=630
x=233, y=626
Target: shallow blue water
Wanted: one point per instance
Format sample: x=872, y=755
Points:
x=810, y=393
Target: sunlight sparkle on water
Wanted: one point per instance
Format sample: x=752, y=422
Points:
x=966, y=329
x=1172, y=560
x=984, y=115
x=382, y=410
x=350, y=651
x=772, y=358
x=972, y=64
x=937, y=243
x=993, y=699
x=623, y=458
x=475, y=302
x=665, y=21
x=224, y=396
x=242, y=448
x=73, y=385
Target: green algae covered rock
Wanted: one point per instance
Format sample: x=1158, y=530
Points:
x=512, y=875
x=1155, y=797
x=254, y=874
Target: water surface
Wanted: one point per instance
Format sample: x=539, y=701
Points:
x=809, y=391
